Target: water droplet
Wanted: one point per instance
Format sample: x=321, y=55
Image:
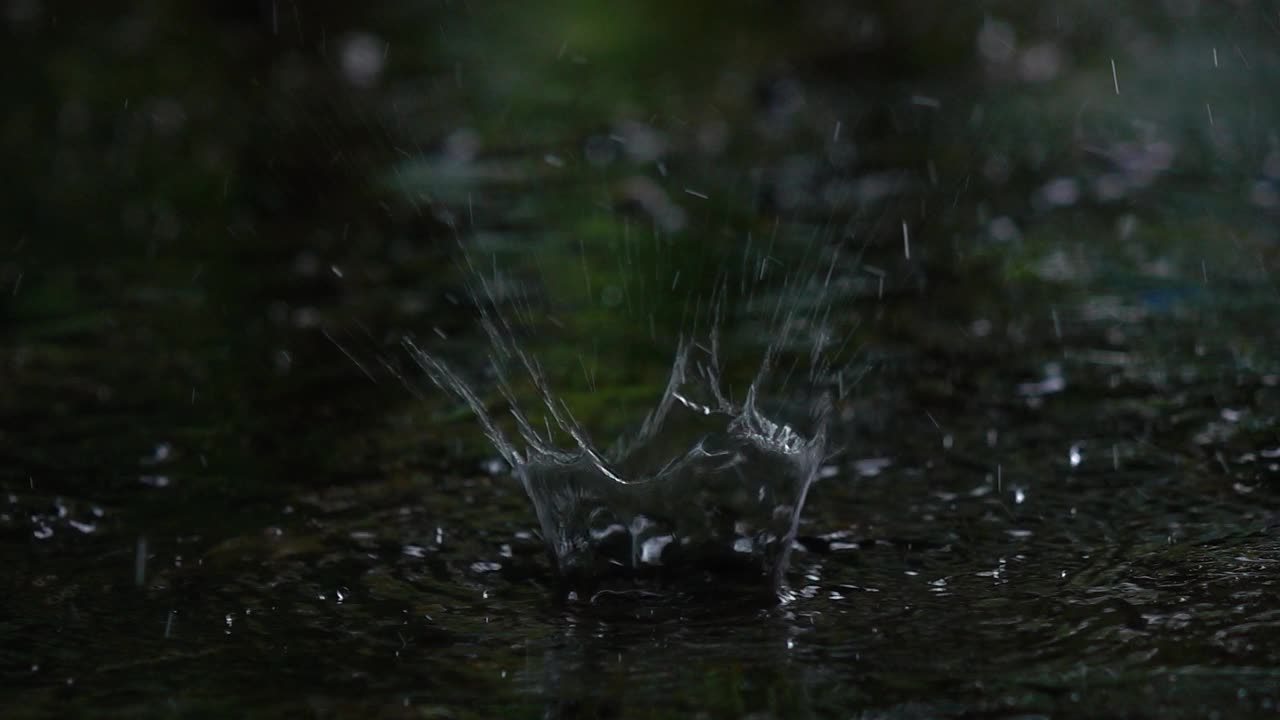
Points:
x=85, y=528
x=1074, y=457
x=871, y=467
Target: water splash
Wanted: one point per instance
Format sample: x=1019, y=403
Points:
x=705, y=489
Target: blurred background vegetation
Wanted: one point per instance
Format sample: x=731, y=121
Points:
x=199, y=186
x=1047, y=227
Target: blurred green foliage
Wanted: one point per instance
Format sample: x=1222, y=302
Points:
x=222, y=214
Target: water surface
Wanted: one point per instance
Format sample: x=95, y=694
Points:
x=1053, y=239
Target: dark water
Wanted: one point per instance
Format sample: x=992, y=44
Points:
x=1054, y=235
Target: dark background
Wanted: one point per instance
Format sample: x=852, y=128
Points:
x=220, y=215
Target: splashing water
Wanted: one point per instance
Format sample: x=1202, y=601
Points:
x=704, y=491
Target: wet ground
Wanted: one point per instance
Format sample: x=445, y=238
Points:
x=1053, y=236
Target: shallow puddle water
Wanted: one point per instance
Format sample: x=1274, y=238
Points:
x=788, y=362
